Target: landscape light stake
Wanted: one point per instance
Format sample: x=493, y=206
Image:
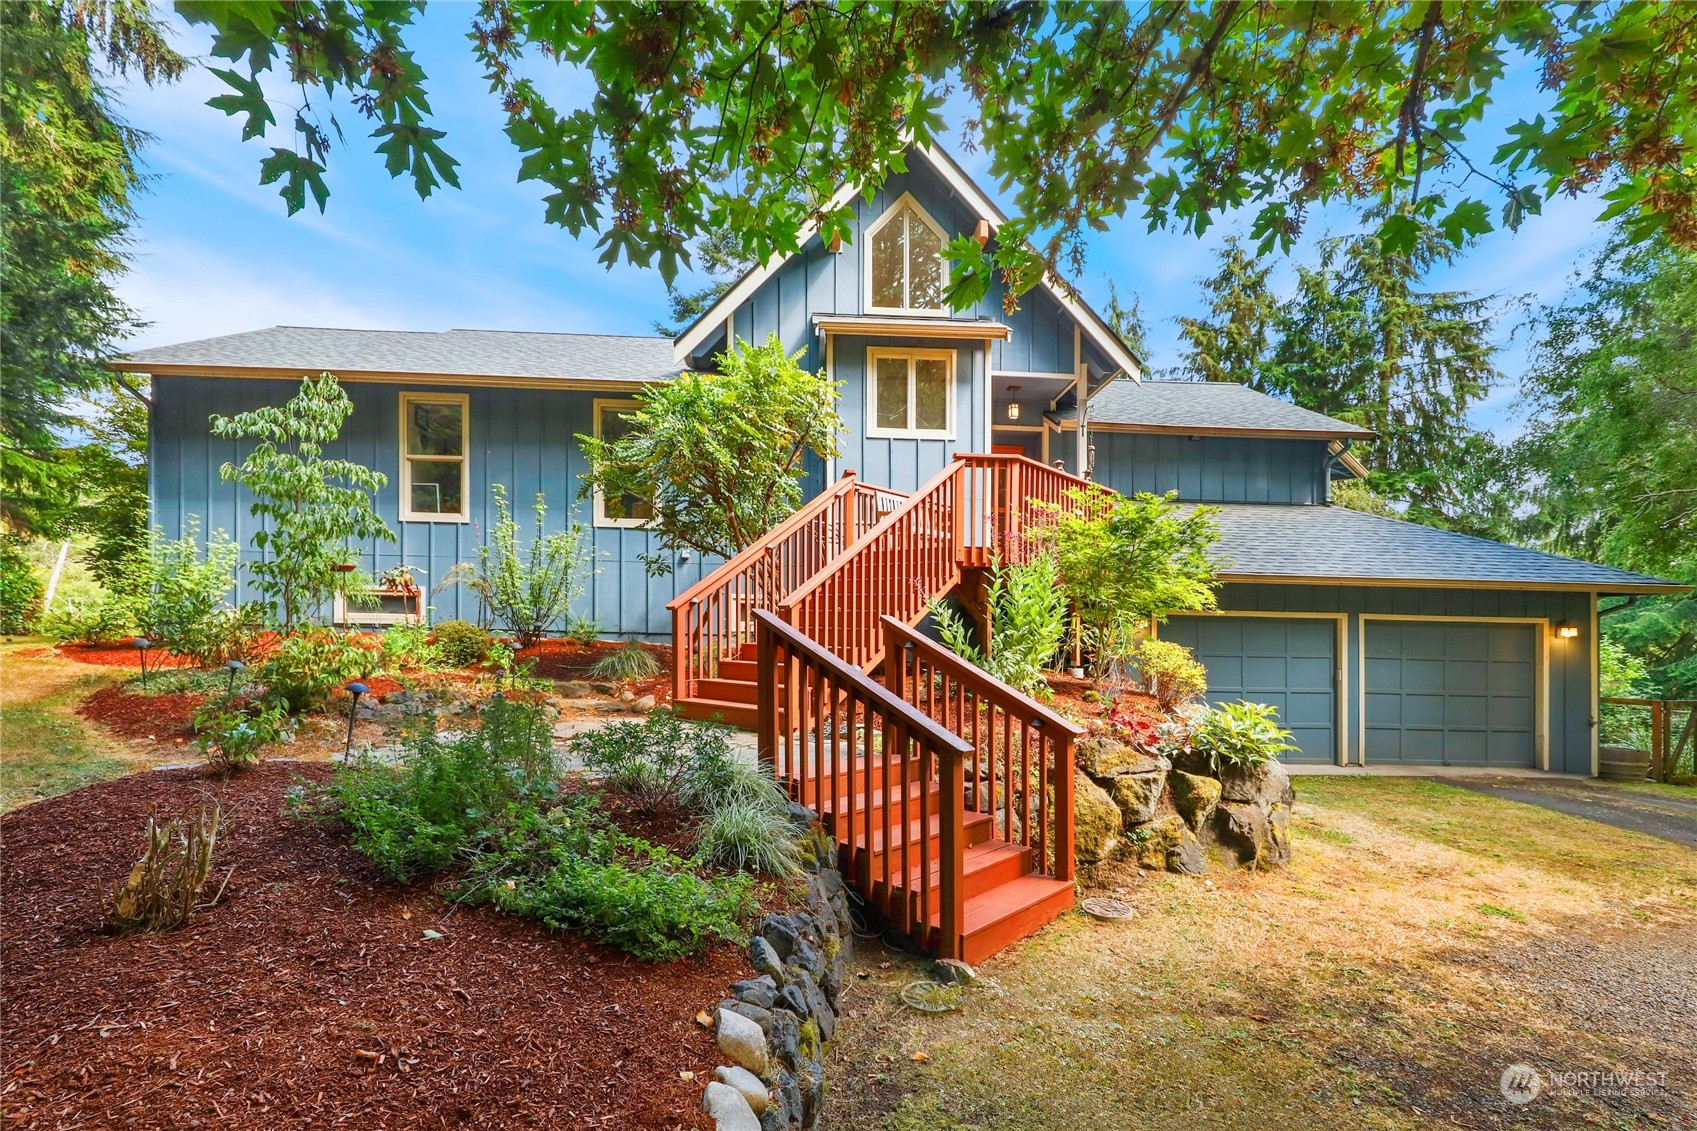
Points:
x=356, y=690
x=232, y=667
x=142, y=644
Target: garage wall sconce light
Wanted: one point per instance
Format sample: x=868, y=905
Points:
x=1567, y=631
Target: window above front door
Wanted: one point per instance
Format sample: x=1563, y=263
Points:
x=905, y=271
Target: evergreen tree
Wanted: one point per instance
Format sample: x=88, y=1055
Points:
x=1128, y=322
x=67, y=172
x=1231, y=343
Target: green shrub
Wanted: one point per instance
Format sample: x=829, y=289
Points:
x=408, y=647
x=631, y=660
x=649, y=761
x=1028, y=617
x=233, y=738
x=20, y=588
x=462, y=643
x=1170, y=672
x=530, y=592
x=447, y=798
x=103, y=620
x=182, y=602
x=584, y=630
x=305, y=668
x=1238, y=735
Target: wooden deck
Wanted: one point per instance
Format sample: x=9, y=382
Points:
x=948, y=793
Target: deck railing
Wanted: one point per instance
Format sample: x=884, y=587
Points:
x=712, y=619
x=845, y=745
x=976, y=509
x=1022, y=769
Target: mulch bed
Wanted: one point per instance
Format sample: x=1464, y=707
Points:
x=310, y=997
x=123, y=655
x=1069, y=700
x=143, y=716
x=571, y=661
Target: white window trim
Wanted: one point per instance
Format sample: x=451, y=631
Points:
x=891, y=214
x=601, y=518
x=873, y=355
x=407, y=513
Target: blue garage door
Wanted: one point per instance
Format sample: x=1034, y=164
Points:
x=1450, y=694
x=1291, y=664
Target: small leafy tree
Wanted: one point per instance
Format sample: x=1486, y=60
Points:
x=182, y=604
x=529, y=594
x=719, y=456
x=310, y=514
x=1126, y=558
x=1028, y=618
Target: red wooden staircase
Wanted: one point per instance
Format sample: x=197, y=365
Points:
x=948, y=793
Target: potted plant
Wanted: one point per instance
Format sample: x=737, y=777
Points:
x=1623, y=737
x=401, y=579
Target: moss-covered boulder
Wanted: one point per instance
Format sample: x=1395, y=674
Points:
x=1263, y=786
x=1104, y=757
x=1136, y=795
x=1251, y=836
x=1097, y=823
x=1168, y=844
x=1195, y=797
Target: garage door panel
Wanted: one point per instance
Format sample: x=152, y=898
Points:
x=1423, y=710
x=1467, y=710
x=1450, y=692
x=1384, y=710
x=1423, y=675
x=1289, y=664
x=1464, y=676
x=1311, y=671
x=1465, y=747
x=1265, y=673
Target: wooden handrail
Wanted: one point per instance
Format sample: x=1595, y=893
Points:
x=974, y=511
x=1004, y=726
x=844, y=744
x=710, y=619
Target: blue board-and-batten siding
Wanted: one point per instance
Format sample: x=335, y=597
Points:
x=1212, y=469
x=1568, y=680
x=523, y=439
x=818, y=280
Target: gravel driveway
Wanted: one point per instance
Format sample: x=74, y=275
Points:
x=1671, y=818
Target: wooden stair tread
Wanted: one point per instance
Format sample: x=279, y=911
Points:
x=975, y=823
x=1010, y=912
x=719, y=710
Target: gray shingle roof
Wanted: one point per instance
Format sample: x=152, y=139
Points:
x=464, y=353
x=1208, y=405
x=1326, y=542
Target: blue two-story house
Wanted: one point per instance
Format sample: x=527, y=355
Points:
x=1379, y=640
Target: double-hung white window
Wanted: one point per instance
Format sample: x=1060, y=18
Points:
x=435, y=473
x=910, y=392
x=612, y=421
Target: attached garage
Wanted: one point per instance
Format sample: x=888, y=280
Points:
x=1451, y=692
x=1289, y=662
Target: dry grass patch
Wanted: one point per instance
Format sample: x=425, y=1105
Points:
x=1424, y=938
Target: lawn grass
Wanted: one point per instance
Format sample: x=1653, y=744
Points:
x=46, y=748
x=1424, y=938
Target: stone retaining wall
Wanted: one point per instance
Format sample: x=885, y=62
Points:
x=773, y=1027
x=1132, y=804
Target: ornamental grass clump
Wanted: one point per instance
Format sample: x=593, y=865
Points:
x=631, y=660
x=168, y=883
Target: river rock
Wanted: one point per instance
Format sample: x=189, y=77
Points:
x=1097, y=822
x=727, y=1108
x=743, y=1041
x=746, y=1082
x=761, y=991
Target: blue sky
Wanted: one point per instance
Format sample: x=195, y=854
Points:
x=215, y=252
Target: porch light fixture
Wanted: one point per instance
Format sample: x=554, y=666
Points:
x=1013, y=405
x=142, y=644
x=1567, y=631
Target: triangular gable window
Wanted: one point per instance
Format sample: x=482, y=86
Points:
x=904, y=260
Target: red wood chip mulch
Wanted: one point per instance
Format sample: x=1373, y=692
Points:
x=310, y=997
x=143, y=716
x=555, y=658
